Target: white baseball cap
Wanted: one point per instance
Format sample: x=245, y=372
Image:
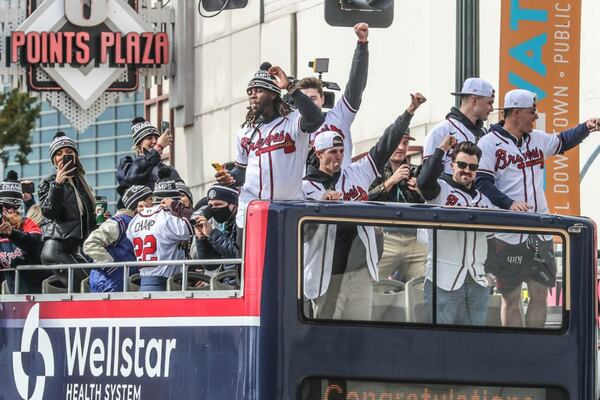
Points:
x=519, y=98
x=327, y=140
x=476, y=86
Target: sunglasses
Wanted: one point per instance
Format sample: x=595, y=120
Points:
x=464, y=165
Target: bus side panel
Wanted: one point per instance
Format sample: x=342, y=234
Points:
x=67, y=359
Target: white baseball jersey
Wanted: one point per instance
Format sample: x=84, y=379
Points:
x=518, y=168
x=450, y=126
x=274, y=155
x=339, y=120
x=156, y=235
x=458, y=252
x=354, y=182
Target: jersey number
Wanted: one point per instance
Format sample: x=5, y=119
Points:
x=145, y=248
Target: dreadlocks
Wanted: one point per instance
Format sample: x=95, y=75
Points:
x=281, y=108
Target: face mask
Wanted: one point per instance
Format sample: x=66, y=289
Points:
x=221, y=214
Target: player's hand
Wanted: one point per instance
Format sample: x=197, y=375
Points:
x=519, y=206
x=64, y=172
x=362, y=31
x=447, y=143
x=593, y=124
x=224, y=178
x=401, y=174
x=412, y=184
x=205, y=227
x=165, y=139
x=282, y=79
x=415, y=102
x=331, y=195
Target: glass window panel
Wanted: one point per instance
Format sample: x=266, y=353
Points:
x=124, y=144
x=47, y=168
x=106, y=130
x=124, y=128
x=106, y=179
x=106, y=146
x=35, y=137
x=89, y=133
x=107, y=115
x=107, y=162
x=139, y=110
x=31, y=170
x=126, y=111
x=457, y=276
x=87, y=148
x=49, y=119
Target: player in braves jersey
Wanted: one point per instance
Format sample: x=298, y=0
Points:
x=462, y=287
x=156, y=234
x=272, y=145
x=348, y=277
x=511, y=174
x=339, y=119
x=465, y=124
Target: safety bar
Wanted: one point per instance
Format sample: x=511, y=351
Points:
x=125, y=265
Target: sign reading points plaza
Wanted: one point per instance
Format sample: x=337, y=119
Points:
x=80, y=55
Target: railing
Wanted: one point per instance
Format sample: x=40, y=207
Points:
x=126, y=266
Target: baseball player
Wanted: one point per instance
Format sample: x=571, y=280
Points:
x=339, y=119
x=461, y=283
x=272, y=145
x=346, y=274
x=156, y=235
x=465, y=124
x=511, y=175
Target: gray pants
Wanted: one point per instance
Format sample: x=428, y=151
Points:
x=349, y=297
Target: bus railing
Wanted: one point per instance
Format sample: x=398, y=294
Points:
x=126, y=266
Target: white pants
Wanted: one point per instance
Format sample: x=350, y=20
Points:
x=349, y=297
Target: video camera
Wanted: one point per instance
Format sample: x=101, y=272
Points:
x=319, y=66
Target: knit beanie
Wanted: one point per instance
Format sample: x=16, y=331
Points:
x=134, y=195
x=165, y=186
x=140, y=129
x=10, y=189
x=185, y=189
x=224, y=193
x=61, y=141
x=263, y=79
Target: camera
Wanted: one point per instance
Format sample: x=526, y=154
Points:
x=319, y=65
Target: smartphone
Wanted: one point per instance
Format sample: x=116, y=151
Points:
x=164, y=125
x=66, y=158
x=28, y=187
x=217, y=166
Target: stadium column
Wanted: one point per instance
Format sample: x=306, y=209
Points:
x=467, y=42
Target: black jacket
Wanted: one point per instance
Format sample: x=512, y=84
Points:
x=141, y=170
x=62, y=219
x=400, y=193
x=218, y=245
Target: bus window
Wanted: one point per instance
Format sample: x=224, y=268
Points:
x=385, y=273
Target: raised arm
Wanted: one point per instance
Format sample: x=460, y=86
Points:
x=359, y=71
x=433, y=168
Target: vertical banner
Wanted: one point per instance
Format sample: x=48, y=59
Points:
x=539, y=51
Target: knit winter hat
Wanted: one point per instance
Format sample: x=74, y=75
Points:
x=165, y=186
x=218, y=192
x=185, y=189
x=263, y=79
x=61, y=141
x=134, y=195
x=10, y=189
x=140, y=129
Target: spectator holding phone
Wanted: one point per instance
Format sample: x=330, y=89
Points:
x=211, y=243
x=20, y=239
x=143, y=168
x=67, y=204
x=28, y=190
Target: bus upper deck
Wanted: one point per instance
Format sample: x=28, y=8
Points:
x=299, y=327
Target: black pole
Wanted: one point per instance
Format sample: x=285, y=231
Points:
x=467, y=42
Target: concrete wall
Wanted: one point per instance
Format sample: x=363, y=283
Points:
x=415, y=54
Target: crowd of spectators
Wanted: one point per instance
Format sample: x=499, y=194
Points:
x=288, y=148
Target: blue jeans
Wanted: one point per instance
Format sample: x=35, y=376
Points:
x=466, y=305
x=153, y=283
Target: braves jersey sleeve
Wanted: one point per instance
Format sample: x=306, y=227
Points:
x=550, y=144
x=434, y=138
x=487, y=163
x=241, y=157
x=357, y=177
x=312, y=190
x=177, y=228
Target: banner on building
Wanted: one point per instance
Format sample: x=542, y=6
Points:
x=539, y=51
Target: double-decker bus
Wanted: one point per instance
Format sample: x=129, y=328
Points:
x=269, y=338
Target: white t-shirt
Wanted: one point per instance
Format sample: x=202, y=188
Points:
x=458, y=252
x=447, y=127
x=339, y=119
x=156, y=235
x=274, y=155
x=518, y=168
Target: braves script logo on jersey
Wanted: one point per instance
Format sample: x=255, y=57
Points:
x=451, y=200
x=275, y=141
x=528, y=159
x=356, y=193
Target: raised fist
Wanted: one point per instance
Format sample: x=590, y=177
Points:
x=362, y=31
